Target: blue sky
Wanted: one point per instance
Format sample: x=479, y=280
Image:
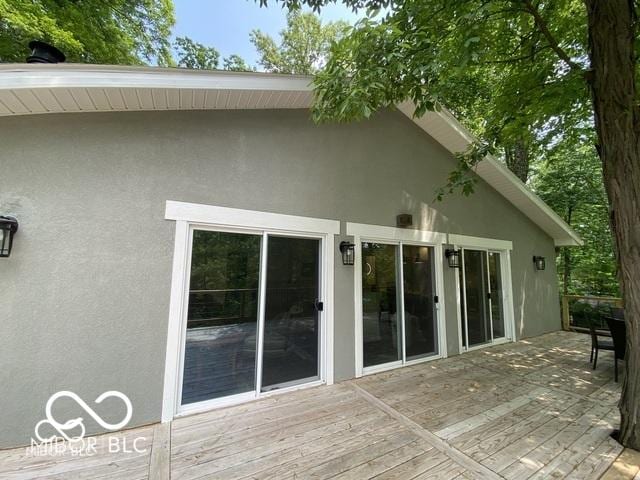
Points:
x=226, y=24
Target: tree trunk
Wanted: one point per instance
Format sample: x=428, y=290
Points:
x=612, y=83
x=518, y=159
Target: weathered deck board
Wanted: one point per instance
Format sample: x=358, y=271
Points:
x=530, y=410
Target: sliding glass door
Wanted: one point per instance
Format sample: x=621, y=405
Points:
x=380, y=326
x=253, y=314
x=222, y=316
x=481, y=298
x=419, y=302
x=291, y=319
x=399, y=303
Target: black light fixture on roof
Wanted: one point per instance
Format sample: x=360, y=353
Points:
x=42, y=52
x=348, y=251
x=8, y=228
x=539, y=262
x=453, y=256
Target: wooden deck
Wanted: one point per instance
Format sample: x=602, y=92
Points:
x=529, y=410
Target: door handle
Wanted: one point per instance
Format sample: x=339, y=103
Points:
x=319, y=306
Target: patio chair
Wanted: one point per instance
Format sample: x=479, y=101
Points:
x=597, y=344
x=619, y=335
x=617, y=313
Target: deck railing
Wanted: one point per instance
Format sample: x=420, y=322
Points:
x=579, y=310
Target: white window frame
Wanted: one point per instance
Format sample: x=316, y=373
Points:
x=396, y=236
x=191, y=216
x=503, y=248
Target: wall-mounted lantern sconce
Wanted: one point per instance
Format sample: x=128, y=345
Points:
x=539, y=263
x=348, y=251
x=453, y=256
x=8, y=228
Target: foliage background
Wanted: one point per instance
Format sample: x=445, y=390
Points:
x=507, y=87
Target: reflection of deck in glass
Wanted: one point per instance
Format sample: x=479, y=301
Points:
x=220, y=360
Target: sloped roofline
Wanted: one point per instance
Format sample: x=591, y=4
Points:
x=55, y=88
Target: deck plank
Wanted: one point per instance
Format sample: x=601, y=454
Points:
x=530, y=410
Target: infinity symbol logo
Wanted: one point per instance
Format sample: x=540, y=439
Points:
x=69, y=425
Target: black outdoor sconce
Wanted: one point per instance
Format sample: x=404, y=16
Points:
x=8, y=228
x=539, y=262
x=453, y=256
x=348, y=251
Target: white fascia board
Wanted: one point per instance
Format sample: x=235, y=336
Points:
x=89, y=76
x=235, y=217
x=380, y=232
x=479, y=242
x=451, y=134
x=573, y=239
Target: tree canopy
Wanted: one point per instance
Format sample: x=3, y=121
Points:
x=121, y=32
x=304, y=44
x=494, y=67
x=195, y=55
x=568, y=178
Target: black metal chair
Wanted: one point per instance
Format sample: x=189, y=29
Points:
x=617, y=313
x=619, y=335
x=597, y=344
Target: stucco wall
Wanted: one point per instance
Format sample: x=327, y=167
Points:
x=85, y=293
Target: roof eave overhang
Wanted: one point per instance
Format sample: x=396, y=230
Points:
x=45, y=88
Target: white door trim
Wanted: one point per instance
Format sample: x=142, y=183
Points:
x=174, y=333
x=190, y=216
x=397, y=236
x=235, y=217
x=481, y=243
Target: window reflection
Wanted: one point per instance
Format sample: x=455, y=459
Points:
x=476, y=310
x=222, y=316
x=495, y=279
x=381, y=333
x=419, y=308
x=291, y=332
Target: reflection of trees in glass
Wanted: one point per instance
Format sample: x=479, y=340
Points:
x=379, y=275
x=419, y=308
x=224, y=276
x=292, y=276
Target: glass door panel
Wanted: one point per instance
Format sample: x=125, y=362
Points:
x=495, y=282
x=222, y=316
x=420, y=316
x=291, y=320
x=477, y=309
x=381, y=326
x=463, y=308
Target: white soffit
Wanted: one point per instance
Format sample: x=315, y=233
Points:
x=45, y=88
x=56, y=88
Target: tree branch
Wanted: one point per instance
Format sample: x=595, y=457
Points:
x=544, y=29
